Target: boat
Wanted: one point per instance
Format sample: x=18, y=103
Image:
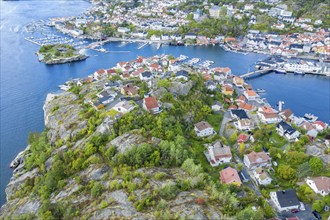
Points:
x=299, y=72
x=280, y=71
x=310, y=117
x=260, y=90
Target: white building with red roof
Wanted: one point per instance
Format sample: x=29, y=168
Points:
x=151, y=104
x=217, y=154
x=254, y=160
x=230, y=176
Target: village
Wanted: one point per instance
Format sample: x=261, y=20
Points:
x=243, y=141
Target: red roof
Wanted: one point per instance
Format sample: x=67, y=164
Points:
x=242, y=138
x=229, y=175
x=101, y=71
x=151, y=102
x=320, y=123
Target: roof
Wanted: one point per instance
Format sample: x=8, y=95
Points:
x=251, y=93
x=146, y=74
x=124, y=104
x=182, y=73
x=266, y=109
x=242, y=138
x=286, y=127
x=322, y=183
x=202, y=125
x=229, y=175
x=151, y=102
x=220, y=150
x=286, y=113
x=130, y=89
x=260, y=157
x=269, y=115
x=245, y=106
x=241, y=114
x=287, y=198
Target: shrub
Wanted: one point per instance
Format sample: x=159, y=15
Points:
x=97, y=189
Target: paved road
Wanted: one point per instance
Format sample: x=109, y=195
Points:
x=225, y=120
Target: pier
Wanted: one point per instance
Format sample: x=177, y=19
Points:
x=143, y=45
x=263, y=71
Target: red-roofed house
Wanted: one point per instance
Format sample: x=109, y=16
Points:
x=246, y=107
x=151, y=104
x=230, y=176
x=217, y=154
x=250, y=95
x=99, y=73
x=238, y=81
x=242, y=138
x=319, y=125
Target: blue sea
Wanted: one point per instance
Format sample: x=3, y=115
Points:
x=25, y=82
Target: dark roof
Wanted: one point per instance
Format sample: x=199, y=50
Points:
x=104, y=99
x=275, y=43
x=286, y=127
x=287, y=198
x=146, y=74
x=182, y=73
x=298, y=46
x=241, y=114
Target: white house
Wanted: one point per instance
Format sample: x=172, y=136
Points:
x=151, y=104
x=123, y=30
x=244, y=124
x=268, y=118
x=217, y=154
x=214, y=11
x=250, y=95
x=287, y=131
x=320, y=185
x=124, y=107
x=216, y=106
x=285, y=200
x=145, y=76
x=254, y=160
x=203, y=129
x=261, y=176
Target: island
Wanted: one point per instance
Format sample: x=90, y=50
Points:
x=59, y=53
x=168, y=139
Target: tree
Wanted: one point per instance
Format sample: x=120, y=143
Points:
x=241, y=148
x=249, y=214
x=316, y=165
x=318, y=205
x=286, y=172
x=97, y=189
x=303, y=170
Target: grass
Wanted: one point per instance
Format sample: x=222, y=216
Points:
x=215, y=120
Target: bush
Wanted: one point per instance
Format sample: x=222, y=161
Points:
x=97, y=189
x=169, y=191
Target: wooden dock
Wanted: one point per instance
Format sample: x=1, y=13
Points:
x=263, y=71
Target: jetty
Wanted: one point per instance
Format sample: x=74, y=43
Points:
x=143, y=45
x=263, y=71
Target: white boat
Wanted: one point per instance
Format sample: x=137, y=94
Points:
x=260, y=90
x=280, y=71
x=310, y=117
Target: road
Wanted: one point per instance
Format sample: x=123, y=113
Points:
x=225, y=120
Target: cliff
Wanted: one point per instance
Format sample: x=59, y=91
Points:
x=79, y=168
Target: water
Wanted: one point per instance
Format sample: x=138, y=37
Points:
x=25, y=82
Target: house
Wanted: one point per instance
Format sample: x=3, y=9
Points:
x=217, y=154
x=285, y=130
x=246, y=106
x=99, y=73
x=238, y=114
x=123, y=30
x=244, y=124
x=182, y=74
x=105, y=100
x=227, y=90
x=151, y=104
x=216, y=106
x=191, y=36
x=319, y=125
x=203, y=129
x=219, y=76
x=242, y=138
x=214, y=11
x=230, y=176
x=210, y=85
x=268, y=118
x=285, y=200
x=286, y=114
x=238, y=81
x=145, y=76
x=250, y=95
x=129, y=90
x=254, y=160
x=124, y=107
x=320, y=185
x=261, y=176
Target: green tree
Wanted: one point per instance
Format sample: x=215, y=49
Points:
x=318, y=205
x=97, y=189
x=286, y=172
x=316, y=165
x=249, y=214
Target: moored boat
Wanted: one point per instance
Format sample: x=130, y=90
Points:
x=280, y=71
x=310, y=117
x=299, y=73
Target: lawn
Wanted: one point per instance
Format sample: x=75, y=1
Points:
x=215, y=120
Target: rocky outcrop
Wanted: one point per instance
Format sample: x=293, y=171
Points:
x=76, y=58
x=181, y=88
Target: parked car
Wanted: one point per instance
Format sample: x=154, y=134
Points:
x=294, y=210
x=317, y=215
x=302, y=206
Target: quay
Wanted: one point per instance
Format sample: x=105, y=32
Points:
x=263, y=71
x=34, y=42
x=143, y=45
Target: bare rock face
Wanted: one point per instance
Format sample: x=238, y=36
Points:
x=126, y=141
x=181, y=88
x=61, y=114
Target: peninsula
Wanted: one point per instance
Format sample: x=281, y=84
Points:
x=59, y=53
x=159, y=138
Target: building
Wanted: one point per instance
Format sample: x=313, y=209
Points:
x=238, y=114
x=216, y=106
x=238, y=81
x=124, y=107
x=320, y=185
x=203, y=129
x=261, y=176
x=230, y=176
x=250, y=95
x=254, y=160
x=244, y=124
x=285, y=200
x=217, y=154
x=214, y=11
x=151, y=104
x=145, y=76
x=285, y=130
x=129, y=90
x=268, y=118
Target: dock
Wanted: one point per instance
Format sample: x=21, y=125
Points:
x=263, y=71
x=143, y=45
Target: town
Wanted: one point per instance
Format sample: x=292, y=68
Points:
x=240, y=138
